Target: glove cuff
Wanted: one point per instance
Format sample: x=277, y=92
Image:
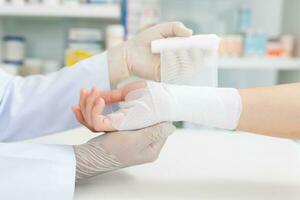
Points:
x=92, y=160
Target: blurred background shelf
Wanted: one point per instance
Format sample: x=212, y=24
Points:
x=260, y=63
x=54, y=33
x=105, y=11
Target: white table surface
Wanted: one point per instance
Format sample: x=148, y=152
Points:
x=201, y=164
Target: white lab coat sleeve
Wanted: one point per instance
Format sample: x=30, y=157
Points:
x=35, y=172
x=38, y=105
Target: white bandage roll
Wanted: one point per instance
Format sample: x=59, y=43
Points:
x=208, y=42
x=189, y=61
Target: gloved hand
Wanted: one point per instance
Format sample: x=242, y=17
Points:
x=134, y=57
x=116, y=150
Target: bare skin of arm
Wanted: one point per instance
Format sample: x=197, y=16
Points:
x=272, y=111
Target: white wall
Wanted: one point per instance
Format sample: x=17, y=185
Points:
x=290, y=24
x=267, y=15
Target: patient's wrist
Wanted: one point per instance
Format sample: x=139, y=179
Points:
x=209, y=106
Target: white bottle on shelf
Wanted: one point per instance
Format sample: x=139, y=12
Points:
x=31, y=66
x=3, y=2
x=13, y=50
x=18, y=2
x=51, y=2
x=114, y=35
x=50, y=66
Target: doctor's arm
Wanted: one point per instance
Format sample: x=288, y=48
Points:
x=39, y=105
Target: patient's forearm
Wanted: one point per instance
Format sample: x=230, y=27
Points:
x=273, y=111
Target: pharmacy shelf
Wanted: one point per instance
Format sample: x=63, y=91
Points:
x=260, y=63
x=106, y=11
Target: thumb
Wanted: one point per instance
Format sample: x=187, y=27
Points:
x=157, y=132
x=174, y=29
x=113, y=96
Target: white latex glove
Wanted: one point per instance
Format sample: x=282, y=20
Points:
x=134, y=57
x=117, y=150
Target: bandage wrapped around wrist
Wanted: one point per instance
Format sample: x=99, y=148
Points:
x=208, y=106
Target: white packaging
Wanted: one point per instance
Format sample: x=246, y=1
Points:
x=31, y=66
x=10, y=68
x=190, y=60
x=114, y=35
x=51, y=2
x=18, y=2
x=85, y=34
x=86, y=39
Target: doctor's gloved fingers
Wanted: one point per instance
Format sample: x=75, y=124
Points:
x=100, y=122
x=174, y=29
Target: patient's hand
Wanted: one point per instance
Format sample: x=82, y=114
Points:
x=91, y=105
x=141, y=104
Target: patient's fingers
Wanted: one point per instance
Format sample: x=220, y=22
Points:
x=133, y=86
x=78, y=115
x=82, y=101
x=90, y=101
x=113, y=96
x=118, y=95
x=100, y=122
